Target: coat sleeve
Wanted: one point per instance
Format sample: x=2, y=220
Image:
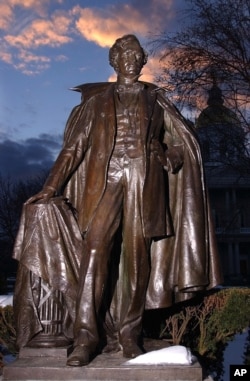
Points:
x=76, y=141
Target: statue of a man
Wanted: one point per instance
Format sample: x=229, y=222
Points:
x=130, y=161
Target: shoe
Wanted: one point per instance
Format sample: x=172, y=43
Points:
x=79, y=356
x=131, y=350
x=113, y=347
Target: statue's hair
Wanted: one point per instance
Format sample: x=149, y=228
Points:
x=119, y=44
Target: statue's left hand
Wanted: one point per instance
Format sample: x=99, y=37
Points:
x=45, y=194
x=158, y=151
x=174, y=158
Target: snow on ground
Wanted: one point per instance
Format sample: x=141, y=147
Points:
x=6, y=300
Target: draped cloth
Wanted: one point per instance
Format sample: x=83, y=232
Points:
x=48, y=246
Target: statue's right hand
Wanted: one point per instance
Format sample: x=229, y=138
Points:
x=45, y=194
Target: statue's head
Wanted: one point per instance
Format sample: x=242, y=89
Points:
x=127, y=56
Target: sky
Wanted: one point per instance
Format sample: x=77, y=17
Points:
x=50, y=46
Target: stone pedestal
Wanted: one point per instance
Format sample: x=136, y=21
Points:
x=49, y=364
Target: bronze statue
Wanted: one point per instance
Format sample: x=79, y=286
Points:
x=129, y=163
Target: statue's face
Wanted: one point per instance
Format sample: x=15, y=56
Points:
x=130, y=60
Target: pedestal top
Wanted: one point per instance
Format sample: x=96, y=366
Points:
x=33, y=364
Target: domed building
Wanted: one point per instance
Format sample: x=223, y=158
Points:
x=221, y=135
x=223, y=145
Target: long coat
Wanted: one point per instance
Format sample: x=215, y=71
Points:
x=89, y=142
x=176, y=211
x=185, y=260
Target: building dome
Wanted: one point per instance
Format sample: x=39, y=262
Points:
x=216, y=112
x=221, y=135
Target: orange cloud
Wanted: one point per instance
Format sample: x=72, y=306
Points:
x=31, y=64
x=28, y=3
x=28, y=26
x=6, y=57
x=104, y=26
x=31, y=70
x=6, y=15
x=7, y=10
x=149, y=70
x=42, y=32
x=29, y=57
x=38, y=5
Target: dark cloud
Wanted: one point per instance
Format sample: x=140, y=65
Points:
x=22, y=160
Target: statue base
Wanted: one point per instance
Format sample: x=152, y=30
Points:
x=50, y=364
x=49, y=341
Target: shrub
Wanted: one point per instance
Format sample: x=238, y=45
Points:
x=212, y=322
x=7, y=330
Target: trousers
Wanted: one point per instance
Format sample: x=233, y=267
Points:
x=121, y=204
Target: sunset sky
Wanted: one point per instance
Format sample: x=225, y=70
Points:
x=49, y=46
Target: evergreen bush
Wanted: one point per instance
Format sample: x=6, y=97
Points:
x=212, y=322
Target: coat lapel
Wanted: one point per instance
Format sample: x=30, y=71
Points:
x=146, y=107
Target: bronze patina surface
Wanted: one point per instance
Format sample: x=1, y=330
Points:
x=122, y=224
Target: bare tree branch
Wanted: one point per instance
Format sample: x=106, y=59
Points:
x=213, y=43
